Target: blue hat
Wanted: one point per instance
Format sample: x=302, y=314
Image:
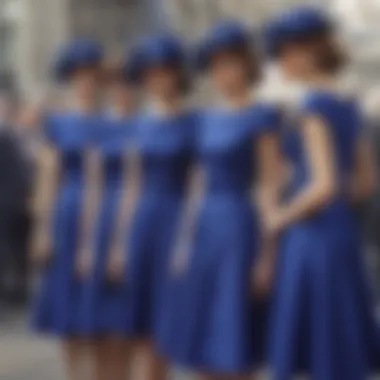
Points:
x=77, y=54
x=163, y=50
x=292, y=25
x=223, y=36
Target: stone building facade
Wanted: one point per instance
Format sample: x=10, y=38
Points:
x=359, y=20
x=41, y=25
x=30, y=30
x=192, y=17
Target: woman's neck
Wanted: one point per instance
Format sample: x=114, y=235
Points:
x=167, y=107
x=84, y=106
x=121, y=112
x=322, y=82
x=238, y=100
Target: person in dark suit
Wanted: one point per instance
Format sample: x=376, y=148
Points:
x=370, y=212
x=15, y=188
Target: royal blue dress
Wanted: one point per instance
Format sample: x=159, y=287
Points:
x=217, y=327
x=164, y=145
x=59, y=297
x=322, y=320
x=104, y=304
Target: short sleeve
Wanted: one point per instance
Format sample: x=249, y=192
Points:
x=49, y=128
x=269, y=119
x=314, y=105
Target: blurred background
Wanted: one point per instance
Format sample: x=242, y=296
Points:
x=30, y=31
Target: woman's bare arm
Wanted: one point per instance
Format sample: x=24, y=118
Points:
x=271, y=172
x=363, y=181
x=129, y=198
x=186, y=230
x=321, y=187
x=91, y=200
x=270, y=181
x=44, y=193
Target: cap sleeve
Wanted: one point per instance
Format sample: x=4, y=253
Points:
x=314, y=105
x=49, y=128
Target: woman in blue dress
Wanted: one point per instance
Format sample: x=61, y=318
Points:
x=219, y=321
x=104, y=306
x=322, y=320
x=163, y=136
x=61, y=240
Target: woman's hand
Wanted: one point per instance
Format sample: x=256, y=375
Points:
x=41, y=251
x=273, y=223
x=84, y=263
x=263, y=271
x=263, y=274
x=116, y=266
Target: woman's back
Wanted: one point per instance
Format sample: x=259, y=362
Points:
x=341, y=117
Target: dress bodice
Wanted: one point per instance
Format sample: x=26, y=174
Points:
x=70, y=135
x=114, y=139
x=226, y=144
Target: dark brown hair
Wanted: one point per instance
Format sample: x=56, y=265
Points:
x=328, y=56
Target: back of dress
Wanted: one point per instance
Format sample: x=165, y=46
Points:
x=341, y=116
x=322, y=306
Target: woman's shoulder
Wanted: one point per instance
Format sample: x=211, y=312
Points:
x=51, y=124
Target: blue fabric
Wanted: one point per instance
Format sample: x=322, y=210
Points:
x=58, y=300
x=215, y=325
x=104, y=305
x=77, y=54
x=165, y=150
x=159, y=50
x=294, y=24
x=226, y=35
x=322, y=314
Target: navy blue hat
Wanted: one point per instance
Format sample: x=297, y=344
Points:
x=223, y=36
x=162, y=50
x=292, y=25
x=77, y=54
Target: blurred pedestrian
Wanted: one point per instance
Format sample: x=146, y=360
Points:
x=62, y=241
x=15, y=183
x=371, y=211
x=322, y=314
x=219, y=331
x=105, y=312
x=164, y=132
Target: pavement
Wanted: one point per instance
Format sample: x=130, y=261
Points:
x=24, y=356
